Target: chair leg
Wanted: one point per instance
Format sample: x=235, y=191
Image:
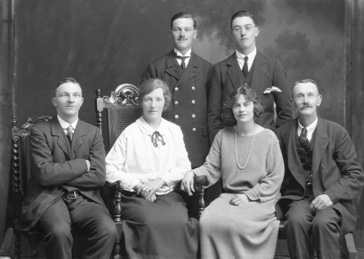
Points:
x=34, y=241
x=17, y=245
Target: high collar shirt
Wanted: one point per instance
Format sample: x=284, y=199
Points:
x=65, y=124
x=310, y=129
x=188, y=54
x=251, y=57
x=134, y=159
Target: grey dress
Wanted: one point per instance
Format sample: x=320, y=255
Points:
x=249, y=230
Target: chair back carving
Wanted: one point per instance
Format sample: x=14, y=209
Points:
x=121, y=109
x=21, y=173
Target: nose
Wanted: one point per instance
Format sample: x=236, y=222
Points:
x=305, y=99
x=71, y=99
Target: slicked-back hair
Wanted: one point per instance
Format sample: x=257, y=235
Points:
x=65, y=80
x=242, y=13
x=303, y=81
x=184, y=15
x=150, y=85
x=250, y=95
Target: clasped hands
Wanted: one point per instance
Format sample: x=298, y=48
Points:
x=148, y=189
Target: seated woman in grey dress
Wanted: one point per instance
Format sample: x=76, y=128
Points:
x=241, y=222
x=150, y=158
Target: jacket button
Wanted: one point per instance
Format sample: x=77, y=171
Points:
x=193, y=116
x=193, y=129
x=176, y=116
x=175, y=102
x=176, y=89
x=193, y=88
x=193, y=102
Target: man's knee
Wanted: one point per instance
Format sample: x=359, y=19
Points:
x=322, y=223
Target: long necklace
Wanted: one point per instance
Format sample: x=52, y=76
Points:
x=236, y=151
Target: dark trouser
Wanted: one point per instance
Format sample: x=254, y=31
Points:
x=306, y=229
x=90, y=217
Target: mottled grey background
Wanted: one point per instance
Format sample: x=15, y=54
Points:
x=106, y=43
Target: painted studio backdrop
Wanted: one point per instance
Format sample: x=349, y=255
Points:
x=106, y=43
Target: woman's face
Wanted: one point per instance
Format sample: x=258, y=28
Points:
x=243, y=109
x=153, y=104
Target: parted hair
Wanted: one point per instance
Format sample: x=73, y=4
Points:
x=150, y=85
x=227, y=111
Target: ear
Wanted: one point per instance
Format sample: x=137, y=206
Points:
x=53, y=101
x=194, y=34
x=319, y=100
x=257, y=30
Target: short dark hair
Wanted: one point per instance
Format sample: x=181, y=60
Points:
x=303, y=81
x=242, y=13
x=229, y=118
x=150, y=85
x=65, y=80
x=184, y=15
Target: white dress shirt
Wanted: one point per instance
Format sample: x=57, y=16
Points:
x=251, y=57
x=134, y=159
x=310, y=129
x=188, y=54
x=65, y=125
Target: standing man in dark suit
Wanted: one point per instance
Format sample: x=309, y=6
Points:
x=68, y=168
x=322, y=178
x=247, y=65
x=187, y=76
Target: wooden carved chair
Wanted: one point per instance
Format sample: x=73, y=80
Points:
x=119, y=110
x=21, y=173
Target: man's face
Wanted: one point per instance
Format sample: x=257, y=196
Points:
x=244, y=32
x=183, y=33
x=68, y=100
x=306, y=99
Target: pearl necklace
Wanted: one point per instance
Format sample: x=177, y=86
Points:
x=236, y=151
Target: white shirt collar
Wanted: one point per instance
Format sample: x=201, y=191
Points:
x=65, y=124
x=310, y=129
x=188, y=55
x=251, y=57
x=148, y=130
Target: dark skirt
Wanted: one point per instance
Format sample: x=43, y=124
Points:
x=158, y=230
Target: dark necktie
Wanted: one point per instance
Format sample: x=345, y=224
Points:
x=245, y=67
x=70, y=133
x=305, y=143
x=183, y=64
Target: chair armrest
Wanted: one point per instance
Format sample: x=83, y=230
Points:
x=118, y=189
x=200, y=183
x=350, y=246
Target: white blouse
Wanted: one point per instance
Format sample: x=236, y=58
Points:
x=134, y=158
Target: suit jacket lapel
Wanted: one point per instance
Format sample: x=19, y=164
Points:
x=172, y=66
x=190, y=71
x=257, y=69
x=80, y=131
x=294, y=162
x=62, y=141
x=320, y=145
x=233, y=71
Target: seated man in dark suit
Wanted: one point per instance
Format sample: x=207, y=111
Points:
x=322, y=178
x=68, y=168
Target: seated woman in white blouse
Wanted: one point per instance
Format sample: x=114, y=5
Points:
x=150, y=158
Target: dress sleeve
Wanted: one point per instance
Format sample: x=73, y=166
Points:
x=212, y=166
x=269, y=186
x=115, y=161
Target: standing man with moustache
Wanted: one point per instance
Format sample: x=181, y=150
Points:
x=247, y=65
x=187, y=76
x=322, y=178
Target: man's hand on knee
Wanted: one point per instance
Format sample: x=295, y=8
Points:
x=321, y=202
